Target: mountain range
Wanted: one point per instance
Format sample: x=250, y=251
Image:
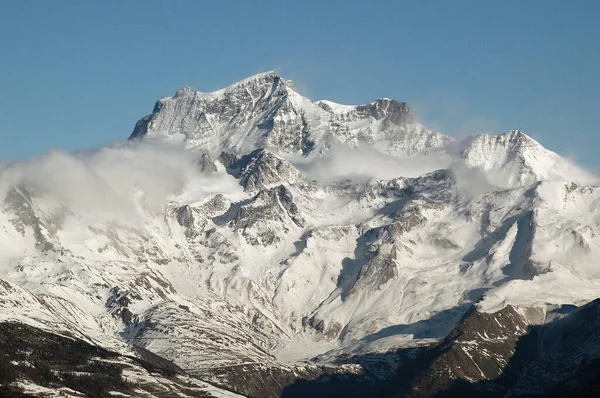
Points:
x=253, y=242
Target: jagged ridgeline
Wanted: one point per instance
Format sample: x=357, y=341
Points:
x=251, y=241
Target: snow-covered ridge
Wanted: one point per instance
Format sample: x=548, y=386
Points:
x=335, y=107
x=260, y=78
x=265, y=110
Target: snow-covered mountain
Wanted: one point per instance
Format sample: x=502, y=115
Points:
x=265, y=111
x=255, y=238
x=513, y=158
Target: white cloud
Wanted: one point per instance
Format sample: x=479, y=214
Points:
x=366, y=162
x=118, y=182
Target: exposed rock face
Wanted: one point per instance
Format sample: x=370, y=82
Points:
x=261, y=169
x=195, y=218
x=269, y=208
x=513, y=352
x=207, y=163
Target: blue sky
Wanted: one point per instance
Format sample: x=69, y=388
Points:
x=78, y=74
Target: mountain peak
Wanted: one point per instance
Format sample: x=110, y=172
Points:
x=256, y=80
x=512, y=140
x=260, y=168
x=515, y=159
x=517, y=136
x=265, y=110
x=386, y=107
x=259, y=77
x=185, y=90
x=516, y=133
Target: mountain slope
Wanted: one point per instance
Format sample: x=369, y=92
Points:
x=514, y=352
x=38, y=363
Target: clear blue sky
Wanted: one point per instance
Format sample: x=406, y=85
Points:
x=78, y=74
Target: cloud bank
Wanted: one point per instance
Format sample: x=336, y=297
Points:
x=361, y=164
x=118, y=182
